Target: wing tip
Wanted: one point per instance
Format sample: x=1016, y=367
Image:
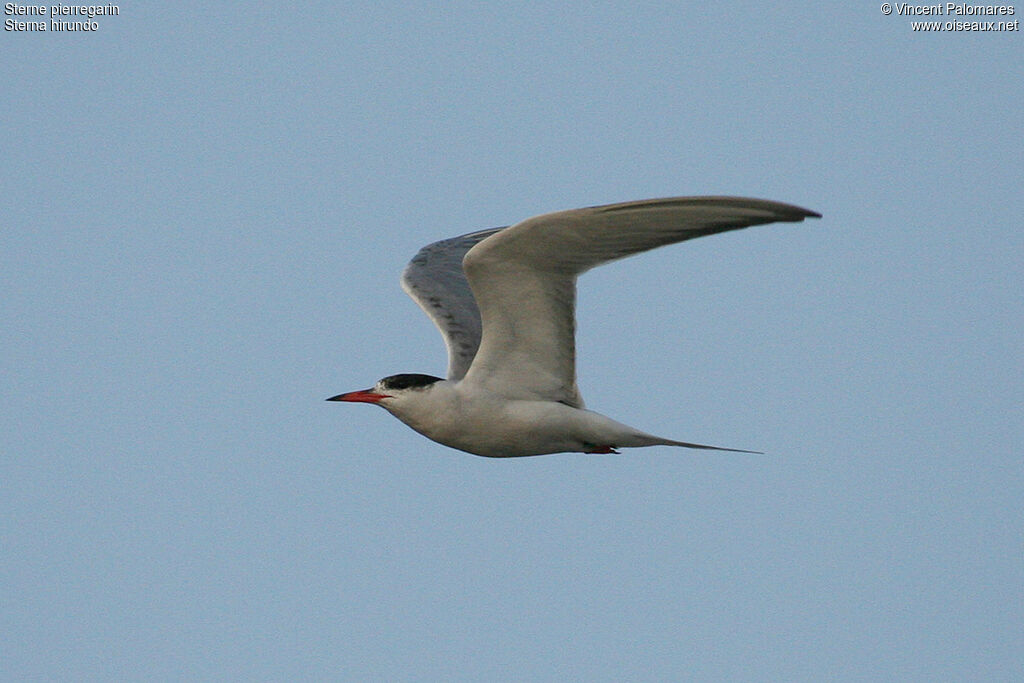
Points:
x=781, y=211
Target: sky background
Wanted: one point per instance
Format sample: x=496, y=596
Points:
x=206, y=209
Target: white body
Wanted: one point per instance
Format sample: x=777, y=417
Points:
x=510, y=427
x=504, y=300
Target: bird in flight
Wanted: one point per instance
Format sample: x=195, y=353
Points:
x=504, y=300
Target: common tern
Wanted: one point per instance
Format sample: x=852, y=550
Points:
x=504, y=301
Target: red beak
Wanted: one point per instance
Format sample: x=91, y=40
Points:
x=362, y=396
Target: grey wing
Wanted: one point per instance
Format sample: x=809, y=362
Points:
x=524, y=280
x=436, y=281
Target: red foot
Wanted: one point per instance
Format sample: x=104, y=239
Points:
x=602, y=450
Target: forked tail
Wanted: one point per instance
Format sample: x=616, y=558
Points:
x=701, y=446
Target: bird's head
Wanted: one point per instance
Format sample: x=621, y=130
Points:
x=391, y=392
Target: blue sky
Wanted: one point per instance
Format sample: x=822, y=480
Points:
x=206, y=211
